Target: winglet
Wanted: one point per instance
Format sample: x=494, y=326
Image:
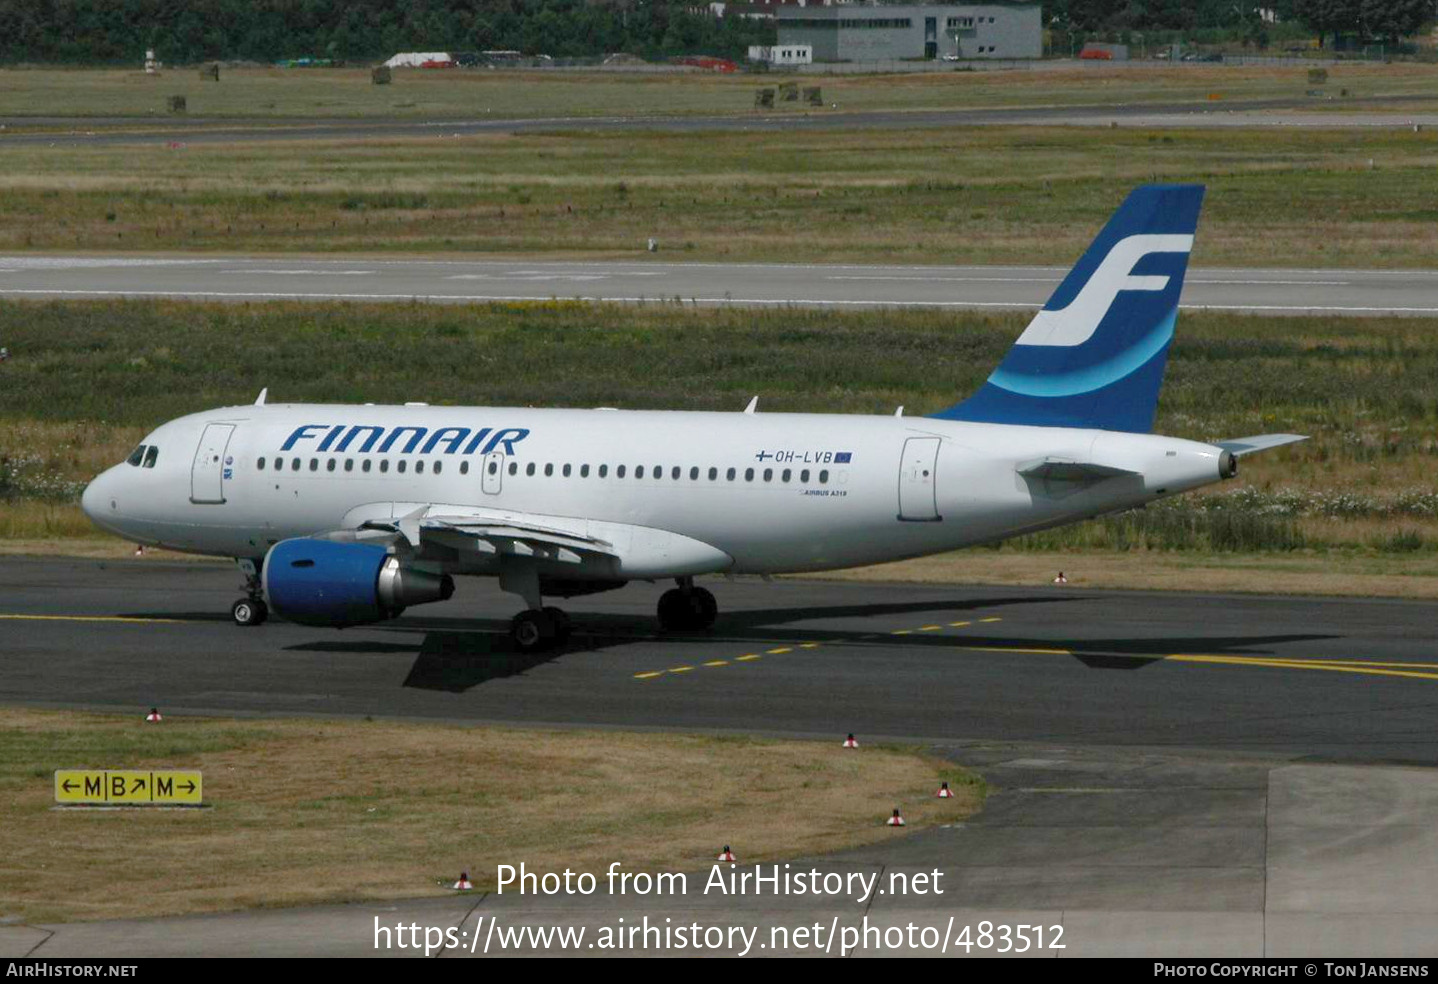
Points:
x=260, y=400
x=753, y=405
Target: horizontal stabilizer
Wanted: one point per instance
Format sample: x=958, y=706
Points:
x=1240, y=446
x=1054, y=470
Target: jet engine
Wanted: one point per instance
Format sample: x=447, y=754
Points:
x=323, y=582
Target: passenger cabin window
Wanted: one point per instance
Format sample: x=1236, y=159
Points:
x=583, y=471
x=638, y=471
x=514, y=468
x=330, y=464
x=566, y=471
x=401, y=465
x=366, y=465
x=349, y=464
x=294, y=464
x=384, y=465
x=619, y=472
x=549, y=470
x=603, y=471
x=438, y=467
x=260, y=464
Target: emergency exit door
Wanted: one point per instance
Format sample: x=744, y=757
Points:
x=493, y=479
x=918, y=489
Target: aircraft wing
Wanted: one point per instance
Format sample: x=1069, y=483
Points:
x=518, y=539
x=492, y=532
x=1240, y=446
x=560, y=543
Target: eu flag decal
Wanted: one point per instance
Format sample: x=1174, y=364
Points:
x=842, y=457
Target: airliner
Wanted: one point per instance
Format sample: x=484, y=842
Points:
x=346, y=515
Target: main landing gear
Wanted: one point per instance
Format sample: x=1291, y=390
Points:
x=686, y=607
x=540, y=628
x=251, y=609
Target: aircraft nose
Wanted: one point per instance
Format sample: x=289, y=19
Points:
x=97, y=502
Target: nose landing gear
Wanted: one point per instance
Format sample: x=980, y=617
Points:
x=251, y=609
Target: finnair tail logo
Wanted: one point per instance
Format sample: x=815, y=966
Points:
x=1075, y=324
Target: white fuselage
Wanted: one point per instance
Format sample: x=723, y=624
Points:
x=770, y=493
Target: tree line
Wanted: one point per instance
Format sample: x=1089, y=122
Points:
x=1381, y=20
x=191, y=31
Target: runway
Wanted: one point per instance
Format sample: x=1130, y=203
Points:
x=70, y=131
x=1348, y=680
x=360, y=278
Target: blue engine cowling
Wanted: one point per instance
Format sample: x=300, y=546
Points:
x=322, y=582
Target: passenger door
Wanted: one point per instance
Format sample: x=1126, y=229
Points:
x=211, y=467
x=918, y=487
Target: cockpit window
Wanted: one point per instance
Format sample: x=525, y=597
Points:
x=135, y=456
x=151, y=455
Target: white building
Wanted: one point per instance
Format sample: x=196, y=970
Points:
x=782, y=54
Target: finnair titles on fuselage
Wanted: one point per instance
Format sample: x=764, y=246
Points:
x=343, y=515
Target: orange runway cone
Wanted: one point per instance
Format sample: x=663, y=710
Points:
x=463, y=884
x=154, y=716
x=895, y=820
x=725, y=855
x=945, y=792
x=851, y=741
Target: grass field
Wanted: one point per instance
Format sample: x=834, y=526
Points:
x=1276, y=197
x=289, y=93
x=328, y=811
x=87, y=380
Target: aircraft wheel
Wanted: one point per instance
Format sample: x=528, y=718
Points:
x=532, y=630
x=560, y=620
x=249, y=611
x=705, y=608
x=674, y=612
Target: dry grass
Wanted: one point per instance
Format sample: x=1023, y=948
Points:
x=992, y=194
x=296, y=94
x=1300, y=573
x=309, y=811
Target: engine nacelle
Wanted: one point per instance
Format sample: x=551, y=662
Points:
x=321, y=582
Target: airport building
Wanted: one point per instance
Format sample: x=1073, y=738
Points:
x=894, y=32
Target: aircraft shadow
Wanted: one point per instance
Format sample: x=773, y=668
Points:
x=458, y=654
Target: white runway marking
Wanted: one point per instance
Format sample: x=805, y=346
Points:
x=303, y=273
x=952, y=280
x=763, y=301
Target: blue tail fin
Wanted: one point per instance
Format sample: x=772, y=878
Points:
x=1094, y=356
